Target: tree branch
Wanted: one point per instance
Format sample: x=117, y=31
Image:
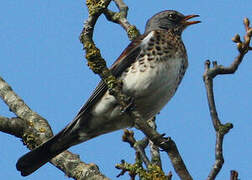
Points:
x=95, y=61
x=34, y=129
x=209, y=75
x=13, y=126
x=233, y=175
x=73, y=167
x=33, y=120
x=139, y=146
x=167, y=144
x=121, y=18
x=154, y=150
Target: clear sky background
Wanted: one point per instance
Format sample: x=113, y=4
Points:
x=42, y=59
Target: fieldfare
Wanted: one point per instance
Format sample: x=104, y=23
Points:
x=150, y=68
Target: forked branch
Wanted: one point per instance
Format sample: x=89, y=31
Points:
x=209, y=74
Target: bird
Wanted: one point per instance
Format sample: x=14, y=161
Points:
x=150, y=68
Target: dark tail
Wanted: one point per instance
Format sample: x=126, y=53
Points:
x=39, y=156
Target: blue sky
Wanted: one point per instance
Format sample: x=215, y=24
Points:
x=43, y=61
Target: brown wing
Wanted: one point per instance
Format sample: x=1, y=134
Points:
x=128, y=56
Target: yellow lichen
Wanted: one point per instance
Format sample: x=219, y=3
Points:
x=31, y=123
x=42, y=130
x=153, y=172
x=95, y=6
x=133, y=32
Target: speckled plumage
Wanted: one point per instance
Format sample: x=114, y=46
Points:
x=150, y=68
x=157, y=71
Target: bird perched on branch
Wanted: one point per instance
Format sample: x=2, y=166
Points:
x=150, y=68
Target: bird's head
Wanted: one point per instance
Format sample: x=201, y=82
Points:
x=169, y=19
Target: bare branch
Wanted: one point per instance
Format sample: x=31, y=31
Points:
x=122, y=6
x=13, y=126
x=34, y=129
x=167, y=144
x=209, y=75
x=233, y=175
x=243, y=48
x=33, y=120
x=139, y=146
x=210, y=96
x=73, y=167
x=169, y=176
x=93, y=55
x=121, y=18
x=154, y=150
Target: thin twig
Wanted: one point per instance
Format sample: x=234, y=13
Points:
x=122, y=7
x=167, y=144
x=169, y=176
x=139, y=146
x=121, y=18
x=154, y=150
x=233, y=175
x=209, y=75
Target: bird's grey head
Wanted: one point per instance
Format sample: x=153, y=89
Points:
x=169, y=19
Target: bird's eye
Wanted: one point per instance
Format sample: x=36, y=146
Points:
x=172, y=17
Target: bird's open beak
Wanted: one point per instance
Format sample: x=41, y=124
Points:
x=188, y=23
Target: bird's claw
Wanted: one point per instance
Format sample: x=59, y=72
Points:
x=165, y=140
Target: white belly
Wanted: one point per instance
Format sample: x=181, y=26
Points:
x=151, y=88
